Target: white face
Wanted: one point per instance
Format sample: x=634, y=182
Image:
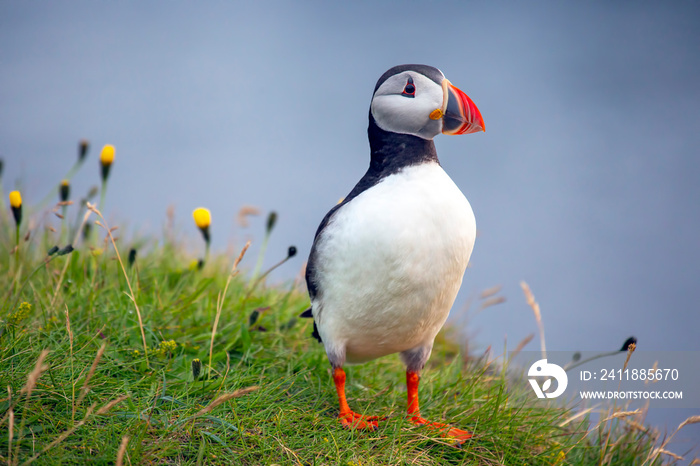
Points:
x=396, y=110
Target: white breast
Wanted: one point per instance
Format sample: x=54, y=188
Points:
x=390, y=263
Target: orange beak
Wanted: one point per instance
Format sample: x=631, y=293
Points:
x=460, y=114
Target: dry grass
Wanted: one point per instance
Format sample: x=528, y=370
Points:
x=131, y=295
x=538, y=316
x=220, y=301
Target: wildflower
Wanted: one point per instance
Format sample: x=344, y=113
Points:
x=202, y=218
x=291, y=252
x=64, y=191
x=20, y=314
x=165, y=348
x=16, y=205
x=106, y=160
x=83, y=147
x=196, y=368
x=559, y=457
x=52, y=251
x=168, y=346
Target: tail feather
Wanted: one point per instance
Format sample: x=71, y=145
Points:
x=315, y=333
x=307, y=314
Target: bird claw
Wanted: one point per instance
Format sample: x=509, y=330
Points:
x=446, y=430
x=353, y=420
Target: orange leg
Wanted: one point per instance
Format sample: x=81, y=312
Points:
x=349, y=418
x=412, y=380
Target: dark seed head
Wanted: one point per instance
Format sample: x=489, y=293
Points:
x=83, y=149
x=17, y=214
x=253, y=317
x=64, y=191
x=271, y=220
x=627, y=343
x=132, y=257
x=196, y=368
x=65, y=250
x=104, y=171
x=86, y=230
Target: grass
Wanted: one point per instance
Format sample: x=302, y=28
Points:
x=96, y=361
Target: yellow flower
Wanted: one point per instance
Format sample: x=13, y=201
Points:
x=107, y=155
x=168, y=346
x=560, y=457
x=15, y=199
x=20, y=314
x=165, y=348
x=202, y=217
x=106, y=159
x=16, y=204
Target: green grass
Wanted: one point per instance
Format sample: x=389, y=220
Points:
x=287, y=415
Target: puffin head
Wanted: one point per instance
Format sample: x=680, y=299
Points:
x=419, y=100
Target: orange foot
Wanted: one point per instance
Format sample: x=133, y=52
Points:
x=353, y=420
x=349, y=418
x=445, y=430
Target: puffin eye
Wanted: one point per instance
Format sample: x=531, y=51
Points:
x=410, y=89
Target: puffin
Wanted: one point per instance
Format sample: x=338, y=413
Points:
x=388, y=260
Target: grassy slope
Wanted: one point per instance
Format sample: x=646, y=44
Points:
x=288, y=419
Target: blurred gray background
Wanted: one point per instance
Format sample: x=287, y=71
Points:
x=586, y=183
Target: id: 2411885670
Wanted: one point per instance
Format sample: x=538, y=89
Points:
x=631, y=374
